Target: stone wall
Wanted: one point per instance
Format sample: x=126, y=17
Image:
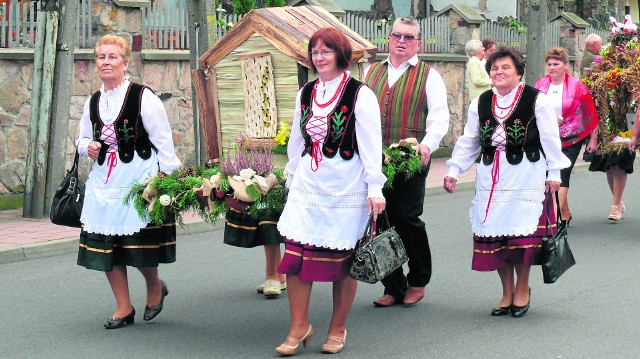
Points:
x=171, y=80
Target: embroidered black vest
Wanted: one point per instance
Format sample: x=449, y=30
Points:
x=521, y=130
x=341, y=122
x=129, y=130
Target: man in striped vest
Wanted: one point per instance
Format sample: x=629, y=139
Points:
x=413, y=103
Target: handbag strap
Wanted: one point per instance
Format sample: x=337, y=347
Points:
x=370, y=229
x=75, y=162
x=558, y=216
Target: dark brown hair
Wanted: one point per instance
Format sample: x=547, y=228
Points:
x=335, y=40
x=502, y=52
x=487, y=43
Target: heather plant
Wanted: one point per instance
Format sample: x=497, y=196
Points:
x=240, y=157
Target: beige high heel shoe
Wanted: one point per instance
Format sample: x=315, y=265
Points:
x=334, y=348
x=287, y=350
x=614, y=214
x=621, y=209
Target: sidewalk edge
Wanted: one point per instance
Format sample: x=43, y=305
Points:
x=58, y=247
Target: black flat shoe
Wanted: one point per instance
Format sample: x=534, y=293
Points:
x=517, y=311
x=115, y=323
x=500, y=311
x=152, y=312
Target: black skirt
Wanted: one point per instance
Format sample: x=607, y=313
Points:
x=242, y=230
x=624, y=161
x=147, y=248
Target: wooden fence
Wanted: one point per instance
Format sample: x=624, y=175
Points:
x=226, y=22
x=165, y=28
x=434, y=32
x=604, y=34
x=18, y=24
x=506, y=36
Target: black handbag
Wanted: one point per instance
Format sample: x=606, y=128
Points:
x=68, y=200
x=556, y=253
x=375, y=258
x=587, y=156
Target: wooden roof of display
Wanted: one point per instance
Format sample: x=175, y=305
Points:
x=289, y=30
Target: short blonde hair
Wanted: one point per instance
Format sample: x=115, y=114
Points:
x=114, y=40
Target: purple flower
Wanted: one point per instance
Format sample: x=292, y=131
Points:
x=597, y=59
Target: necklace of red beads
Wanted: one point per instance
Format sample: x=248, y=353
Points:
x=335, y=95
x=509, y=108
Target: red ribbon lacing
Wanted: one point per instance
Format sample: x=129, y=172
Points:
x=495, y=177
x=316, y=129
x=112, y=161
x=110, y=139
x=316, y=155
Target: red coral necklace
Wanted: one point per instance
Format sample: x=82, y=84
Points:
x=509, y=108
x=335, y=95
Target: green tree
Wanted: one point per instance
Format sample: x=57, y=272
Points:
x=274, y=3
x=243, y=6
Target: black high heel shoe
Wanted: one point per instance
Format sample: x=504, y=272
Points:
x=152, y=312
x=568, y=221
x=115, y=323
x=517, y=311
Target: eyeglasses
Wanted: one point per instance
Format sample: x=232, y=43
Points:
x=323, y=53
x=407, y=37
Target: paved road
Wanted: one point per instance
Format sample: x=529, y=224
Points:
x=52, y=308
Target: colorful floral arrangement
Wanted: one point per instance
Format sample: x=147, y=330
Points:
x=401, y=159
x=614, y=82
x=245, y=180
x=282, y=138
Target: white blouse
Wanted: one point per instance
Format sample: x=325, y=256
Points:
x=103, y=211
x=554, y=95
x=516, y=200
x=328, y=207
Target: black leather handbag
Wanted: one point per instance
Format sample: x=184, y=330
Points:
x=376, y=257
x=556, y=253
x=68, y=200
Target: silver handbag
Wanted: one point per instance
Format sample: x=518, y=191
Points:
x=375, y=258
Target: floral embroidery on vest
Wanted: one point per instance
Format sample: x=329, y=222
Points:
x=516, y=133
x=337, y=123
x=125, y=131
x=486, y=131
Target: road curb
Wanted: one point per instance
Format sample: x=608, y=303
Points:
x=58, y=247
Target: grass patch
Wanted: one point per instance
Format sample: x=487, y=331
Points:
x=11, y=201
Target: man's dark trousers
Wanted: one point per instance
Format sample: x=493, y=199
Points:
x=404, y=207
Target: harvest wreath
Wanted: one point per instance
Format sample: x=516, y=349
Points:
x=245, y=181
x=614, y=82
x=401, y=159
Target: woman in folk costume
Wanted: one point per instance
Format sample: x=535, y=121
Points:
x=514, y=129
x=576, y=113
x=125, y=129
x=335, y=180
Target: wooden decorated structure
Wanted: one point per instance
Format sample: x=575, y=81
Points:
x=248, y=80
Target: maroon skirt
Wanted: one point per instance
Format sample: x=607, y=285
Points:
x=315, y=264
x=492, y=253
